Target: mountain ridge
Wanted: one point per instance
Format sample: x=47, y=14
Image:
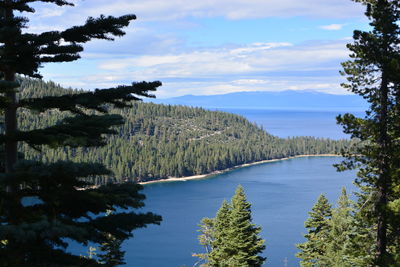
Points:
x=288, y=100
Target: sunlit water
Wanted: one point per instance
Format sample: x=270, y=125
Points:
x=289, y=123
x=281, y=192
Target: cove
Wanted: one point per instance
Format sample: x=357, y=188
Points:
x=281, y=194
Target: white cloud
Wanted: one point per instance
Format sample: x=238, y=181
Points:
x=161, y=10
x=217, y=62
x=310, y=66
x=332, y=27
x=249, y=81
x=258, y=47
x=148, y=53
x=198, y=63
x=232, y=9
x=327, y=85
x=50, y=12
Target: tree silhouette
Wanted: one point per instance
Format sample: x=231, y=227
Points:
x=41, y=204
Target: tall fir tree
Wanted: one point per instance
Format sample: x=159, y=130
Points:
x=221, y=252
x=243, y=235
x=338, y=252
x=234, y=239
x=41, y=206
x=374, y=73
x=313, y=251
x=361, y=242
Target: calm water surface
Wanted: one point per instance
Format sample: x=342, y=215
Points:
x=281, y=193
x=288, y=123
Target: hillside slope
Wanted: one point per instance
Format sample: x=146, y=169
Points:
x=160, y=141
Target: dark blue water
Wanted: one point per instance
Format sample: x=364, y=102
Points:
x=281, y=192
x=288, y=123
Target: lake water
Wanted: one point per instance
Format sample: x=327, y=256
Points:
x=288, y=123
x=281, y=192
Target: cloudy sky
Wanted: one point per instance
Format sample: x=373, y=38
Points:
x=207, y=47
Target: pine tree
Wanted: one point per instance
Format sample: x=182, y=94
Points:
x=112, y=254
x=243, y=235
x=374, y=73
x=341, y=227
x=313, y=251
x=205, y=239
x=131, y=150
x=351, y=241
x=361, y=241
x=234, y=238
x=41, y=206
x=221, y=252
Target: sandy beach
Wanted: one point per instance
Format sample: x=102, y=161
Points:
x=204, y=176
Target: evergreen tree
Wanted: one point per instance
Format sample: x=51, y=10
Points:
x=112, y=254
x=361, y=242
x=351, y=241
x=234, y=238
x=341, y=227
x=181, y=150
x=243, y=235
x=41, y=204
x=313, y=251
x=221, y=252
x=205, y=239
x=374, y=73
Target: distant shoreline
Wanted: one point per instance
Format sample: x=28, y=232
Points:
x=205, y=176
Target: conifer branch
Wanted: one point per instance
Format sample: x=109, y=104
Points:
x=98, y=28
x=38, y=176
x=79, y=131
x=96, y=100
x=35, y=49
x=22, y=5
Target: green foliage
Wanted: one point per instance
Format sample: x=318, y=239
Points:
x=244, y=240
x=313, y=251
x=26, y=52
x=231, y=239
x=46, y=204
x=57, y=210
x=341, y=227
x=159, y=141
x=205, y=239
x=368, y=232
x=112, y=256
x=336, y=237
x=358, y=239
x=373, y=73
x=221, y=252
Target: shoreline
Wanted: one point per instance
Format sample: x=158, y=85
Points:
x=208, y=175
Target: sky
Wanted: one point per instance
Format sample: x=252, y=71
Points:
x=207, y=47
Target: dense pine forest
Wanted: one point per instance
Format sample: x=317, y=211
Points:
x=160, y=141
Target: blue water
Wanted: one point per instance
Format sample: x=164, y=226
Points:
x=281, y=192
x=288, y=123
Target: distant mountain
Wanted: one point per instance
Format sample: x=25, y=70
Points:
x=288, y=100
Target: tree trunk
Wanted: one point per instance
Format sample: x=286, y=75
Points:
x=384, y=165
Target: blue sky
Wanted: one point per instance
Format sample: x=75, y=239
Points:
x=211, y=46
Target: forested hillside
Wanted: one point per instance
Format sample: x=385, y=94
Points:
x=159, y=141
